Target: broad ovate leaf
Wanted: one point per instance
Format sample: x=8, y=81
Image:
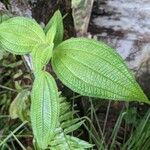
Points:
x=55, y=27
x=44, y=108
x=19, y=35
x=41, y=55
x=94, y=69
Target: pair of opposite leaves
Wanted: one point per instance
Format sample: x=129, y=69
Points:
x=86, y=66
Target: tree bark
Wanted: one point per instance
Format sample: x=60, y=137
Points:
x=44, y=9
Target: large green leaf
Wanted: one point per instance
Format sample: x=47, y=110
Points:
x=19, y=35
x=94, y=69
x=55, y=23
x=44, y=108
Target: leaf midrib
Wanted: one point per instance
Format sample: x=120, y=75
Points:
x=121, y=85
x=124, y=97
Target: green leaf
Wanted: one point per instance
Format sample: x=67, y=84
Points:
x=44, y=108
x=73, y=127
x=41, y=55
x=67, y=124
x=67, y=116
x=4, y=17
x=67, y=142
x=55, y=23
x=76, y=142
x=19, y=108
x=19, y=35
x=51, y=34
x=64, y=107
x=94, y=69
x=60, y=138
x=2, y=53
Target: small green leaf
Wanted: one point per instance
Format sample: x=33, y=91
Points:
x=76, y=142
x=94, y=69
x=65, y=106
x=51, y=34
x=41, y=55
x=19, y=108
x=61, y=140
x=19, y=35
x=67, y=142
x=44, y=108
x=67, y=116
x=55, y=23
x=73, y=127
x=69, y=123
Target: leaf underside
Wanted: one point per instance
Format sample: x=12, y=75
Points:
x=44, y=108
x=57, y=22
x=94, y=69
x=19, y=35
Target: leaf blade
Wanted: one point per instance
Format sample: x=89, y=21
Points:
x=94, y=69
x=56, y=22
x=44, y=108
x=19, y=106
x=19, y=35
x=41, y=55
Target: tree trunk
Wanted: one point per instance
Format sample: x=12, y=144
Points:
x=44, y=9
